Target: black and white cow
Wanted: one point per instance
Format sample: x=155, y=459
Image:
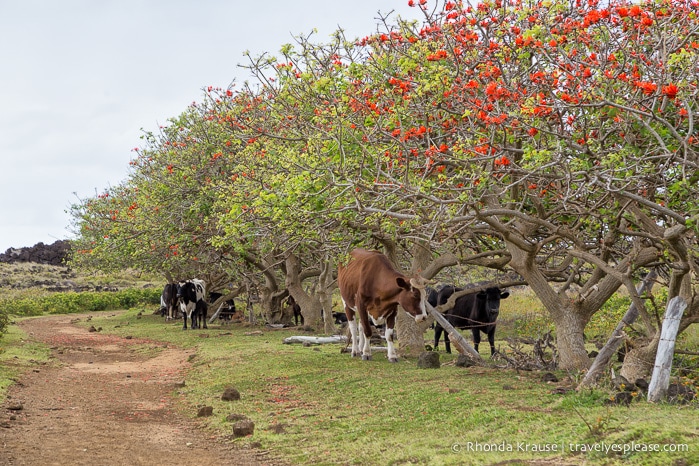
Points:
x=169, y=302
x=476, y=311
x=191, y=295
x=227, y=308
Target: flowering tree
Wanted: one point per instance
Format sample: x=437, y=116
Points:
x=556, y=140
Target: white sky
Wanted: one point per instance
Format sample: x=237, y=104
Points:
x=80, y=79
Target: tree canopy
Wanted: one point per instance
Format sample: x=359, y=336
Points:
x=554, y=139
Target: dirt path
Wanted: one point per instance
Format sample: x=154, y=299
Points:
x=101, y=402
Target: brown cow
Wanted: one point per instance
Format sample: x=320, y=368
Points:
x=371, y=287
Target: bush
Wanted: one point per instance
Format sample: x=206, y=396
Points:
x=4, y=321
x=70, y=302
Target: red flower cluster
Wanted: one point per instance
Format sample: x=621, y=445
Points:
x=438, y=55
x=502, y=162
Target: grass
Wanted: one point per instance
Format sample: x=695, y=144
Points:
x=313, y=405
x=17, y=355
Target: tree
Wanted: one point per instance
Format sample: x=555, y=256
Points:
x=555, y=140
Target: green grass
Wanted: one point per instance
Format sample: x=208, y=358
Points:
x=338, y=410
x=313, y=405
x=17, y=355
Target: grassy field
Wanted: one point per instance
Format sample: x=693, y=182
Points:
x=314, y=405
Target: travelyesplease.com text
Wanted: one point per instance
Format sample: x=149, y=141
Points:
x=622, y=448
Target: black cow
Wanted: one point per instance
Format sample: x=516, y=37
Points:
x=227, y=307
x=192, y=304
x=296, y=308
x=475, y=311
x=432, y=295
x=340, y=318
x=169, y=302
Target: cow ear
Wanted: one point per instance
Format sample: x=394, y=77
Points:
x=504, y=294
x=402, y=283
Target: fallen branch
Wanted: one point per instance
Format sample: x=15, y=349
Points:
x=455, y=337
x=315, y=340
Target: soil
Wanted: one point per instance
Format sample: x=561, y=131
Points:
x=102, y=400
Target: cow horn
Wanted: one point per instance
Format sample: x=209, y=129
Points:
x=418, y=282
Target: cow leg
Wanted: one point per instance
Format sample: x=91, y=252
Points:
x=437, y=335
x=390, y=322
x=365, y=339
x=203, y=314
x=352, y=324
x=491, y=340
x=355, y=337
x=364, y=335
x=476, y=338
x=447, y=342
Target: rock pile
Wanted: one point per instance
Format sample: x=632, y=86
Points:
x=40, y=253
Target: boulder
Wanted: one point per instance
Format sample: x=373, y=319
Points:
x=428, y=360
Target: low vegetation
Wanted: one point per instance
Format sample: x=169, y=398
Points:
x=315, y=405
x=30, y=289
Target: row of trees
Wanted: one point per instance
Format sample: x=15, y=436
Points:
x=555, y=140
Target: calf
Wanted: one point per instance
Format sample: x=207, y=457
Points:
x=371, y=287
x=476, y=311
x=169, y=302
x=192, y=305
x=291, y=302
x=227, y=308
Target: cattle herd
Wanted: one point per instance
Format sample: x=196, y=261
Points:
x=188, y=299
x=371, y=290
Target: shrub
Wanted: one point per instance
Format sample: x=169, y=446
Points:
x=69, y=302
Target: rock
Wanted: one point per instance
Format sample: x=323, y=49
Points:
x=205, y=411
x=15, y=407
x=621, y=398
x=52, y=254
x=642, y=385
x=680, y=394
x=230, y=394
x=243, y=428
x=463, y=361
x=620, y=383
x=428, y=360
x=549, y=377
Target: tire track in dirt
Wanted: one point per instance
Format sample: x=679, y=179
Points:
x=99, y=401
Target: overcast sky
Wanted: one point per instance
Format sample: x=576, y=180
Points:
x=81, y=79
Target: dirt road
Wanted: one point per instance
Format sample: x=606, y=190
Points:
x=99, y=401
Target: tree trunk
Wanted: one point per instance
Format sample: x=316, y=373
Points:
x=639, y=361
x=410, y=336
x=271, y=304
x=310, y=305
x=610, y=348
x=570, y=340
x=666, y=349
x=325, y=295
x=411, y=340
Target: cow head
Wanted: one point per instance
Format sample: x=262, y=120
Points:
x=489, y=299
x=412, y=297
x=183, y=289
